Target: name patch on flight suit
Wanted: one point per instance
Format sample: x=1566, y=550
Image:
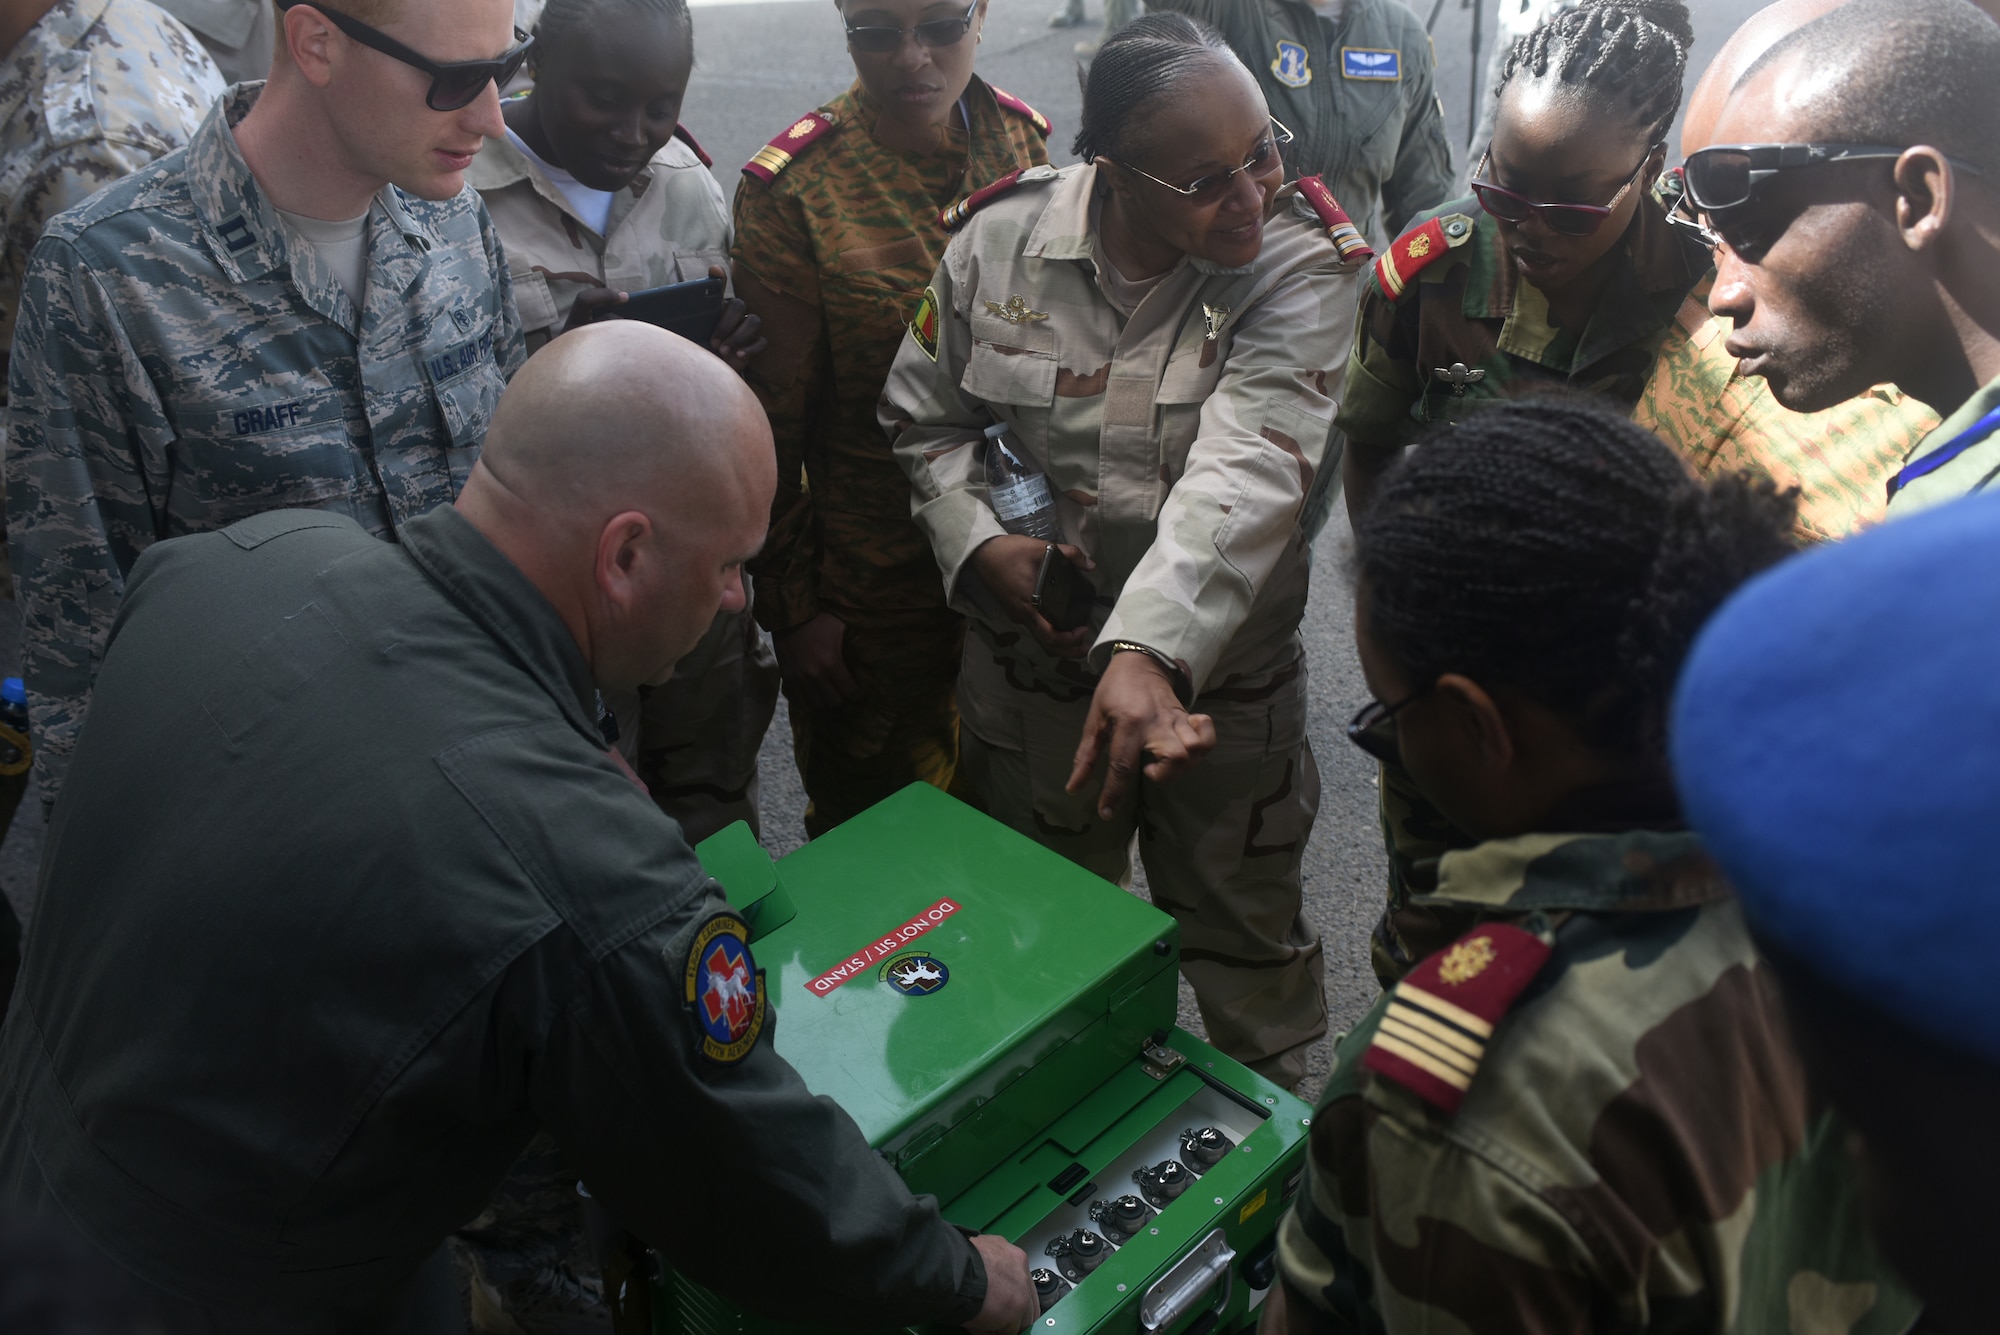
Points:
x=1290, y=68
x=460, y=358
x=271, y=417
x=1361, y=62
x=724, y=990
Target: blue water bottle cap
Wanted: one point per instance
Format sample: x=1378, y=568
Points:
x=13, y=691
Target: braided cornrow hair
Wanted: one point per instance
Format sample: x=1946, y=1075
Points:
x=1633, y=52
x=1142, y=61
x=563, y=18
x=1557, y=548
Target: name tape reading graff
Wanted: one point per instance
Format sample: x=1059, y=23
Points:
x=876, y=951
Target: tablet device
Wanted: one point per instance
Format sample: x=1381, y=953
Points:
x=691, y=309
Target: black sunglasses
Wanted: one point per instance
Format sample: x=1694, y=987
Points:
x=1724, y=176
x=1564, y=219
x=454, y=84
x=1373, y=727
x=931, y=32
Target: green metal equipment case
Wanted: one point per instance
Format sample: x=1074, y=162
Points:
x=1000, y=1023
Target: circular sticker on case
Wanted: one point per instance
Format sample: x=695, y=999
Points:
x=724, y=989
x=917, y=973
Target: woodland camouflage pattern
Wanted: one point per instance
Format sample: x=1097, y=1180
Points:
x=1182, y=443
x=850, y=230
x=95, y=91
x=184, y=364
x=1637, y=1151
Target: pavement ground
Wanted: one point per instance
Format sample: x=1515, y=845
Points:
x=762, y=65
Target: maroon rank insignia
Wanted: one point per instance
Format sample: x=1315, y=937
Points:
x=1441, y=1016
x=1347, y=238
x=681, y=133
x=724, y=990
x=777, y=155
x=1009, y=102
x=953, y=217
x=1416, y=250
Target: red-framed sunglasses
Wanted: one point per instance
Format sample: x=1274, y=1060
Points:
x=1563, y=219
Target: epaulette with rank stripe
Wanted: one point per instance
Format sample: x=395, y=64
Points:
x=1009, y=102
x=1440, y=1017
x=777, y=155
x=1416, y=250
x=681, y=133
x=1347, y=238
x=953, y=216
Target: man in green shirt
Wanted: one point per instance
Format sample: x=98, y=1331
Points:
x=1861, y=235
x=347, y=898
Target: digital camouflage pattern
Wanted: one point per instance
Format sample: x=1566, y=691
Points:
x=1182, y=443
x=1378, y=141
x=184, y=361
x=1472, y=306
x=1840, y=460
x=1636, y=1149
x=844, y=236
x=1971, y=470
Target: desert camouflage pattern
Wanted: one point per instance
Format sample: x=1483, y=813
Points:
x=1972, y=470
x=848, y=231
x=1182, y=443
x=668, y=226
x=1379, y=143
x=1636, y=1151
x=1841, y=459
x=184, y=361
x=1472, y=306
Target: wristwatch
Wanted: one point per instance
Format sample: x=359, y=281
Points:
x=1175, y=676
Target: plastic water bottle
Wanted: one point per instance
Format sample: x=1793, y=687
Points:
x=13, y=713
x=1020, y=495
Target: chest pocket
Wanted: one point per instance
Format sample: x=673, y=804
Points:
x=1190, y=377
x=268, y=451
x=1011, y=363
x=466, y=384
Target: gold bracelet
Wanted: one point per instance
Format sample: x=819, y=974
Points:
x=1166, y=665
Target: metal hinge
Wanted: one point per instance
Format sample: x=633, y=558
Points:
x=1160, y=1060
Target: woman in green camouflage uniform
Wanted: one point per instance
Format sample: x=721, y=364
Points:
x=837, y=232
x=1585, y=1112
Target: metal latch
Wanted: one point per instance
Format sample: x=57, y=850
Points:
x=1160, y=1060
x=1174, y=1294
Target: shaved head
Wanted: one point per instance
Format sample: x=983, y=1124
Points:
x=1757, y=35
x=629, y=474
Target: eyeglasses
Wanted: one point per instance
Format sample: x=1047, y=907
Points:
x=1208, y=189
x=454, y=84
x=1724, y=176
x=1681, y=212
x=1563, y=219
x=931, y=32
x=1373, y=727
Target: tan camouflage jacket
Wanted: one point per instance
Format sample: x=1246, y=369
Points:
x=95, y=91
x=1586, y=1114
x=668, y=226
x=1182, y=443
x=1960, y=457
x=846, y=234
x=183, y=361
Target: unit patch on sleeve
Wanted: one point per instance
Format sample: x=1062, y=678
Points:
x=924, y=324
x=1441, y=1016
x=1360, y=62
x=1290, y=67
x=724, y=990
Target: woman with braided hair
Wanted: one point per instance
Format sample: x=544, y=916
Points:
x=1581, y=1109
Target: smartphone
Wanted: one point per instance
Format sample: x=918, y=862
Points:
x=1062, y=595
x=690, y=309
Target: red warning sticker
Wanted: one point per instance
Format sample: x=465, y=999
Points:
x=876, y=951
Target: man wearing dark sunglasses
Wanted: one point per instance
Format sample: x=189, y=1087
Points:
x=306, y=308
x=1854, y=182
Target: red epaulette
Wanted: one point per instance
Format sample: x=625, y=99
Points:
x=681, y=133
x=1347, y=238
x=1418, y=248
x=1440, y=1017
x=1009, y=102
x=952, y=217
x=777, y=155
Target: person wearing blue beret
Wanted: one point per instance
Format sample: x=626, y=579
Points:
x=1836, y=739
